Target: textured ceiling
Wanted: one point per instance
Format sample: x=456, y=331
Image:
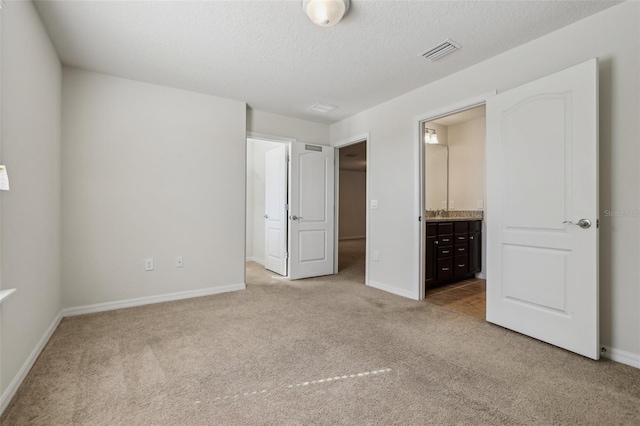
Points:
x=268, y=53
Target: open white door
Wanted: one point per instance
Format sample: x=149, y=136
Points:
x=542, y=174
x=311, y=215
x=275, y=218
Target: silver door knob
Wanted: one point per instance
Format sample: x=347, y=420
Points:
x=294, y=217
x=582, y=223
x=266, y=216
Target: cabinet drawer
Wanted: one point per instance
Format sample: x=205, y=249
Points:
x=432, y=229
x=461, y=238
x=446, y=251
x=445, y=228
x=461, y=227
x=445, y=268
x=461, y=265
x=475, y=225
x=461, y=249
x=445, y=240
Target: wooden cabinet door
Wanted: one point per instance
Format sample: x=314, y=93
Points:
x=430, y=273
x=474, y=252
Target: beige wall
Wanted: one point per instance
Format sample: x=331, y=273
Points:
x=353, y=205
x=467, y=164
x=149, y=172
x=612, y=36
x=30, y=213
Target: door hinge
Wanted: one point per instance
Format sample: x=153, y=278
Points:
x=288, y=158
x=597, y=223
x=286, y=207
x=286, y=255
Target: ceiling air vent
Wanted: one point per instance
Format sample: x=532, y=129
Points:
x=440, y=50
x=322, y=108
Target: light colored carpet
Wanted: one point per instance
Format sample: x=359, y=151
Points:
x=265, y=356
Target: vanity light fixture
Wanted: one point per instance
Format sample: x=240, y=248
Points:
x=325, y=13
x=430, y=136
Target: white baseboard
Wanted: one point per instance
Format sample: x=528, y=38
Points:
x=109, y=306
x=11, y=390
x=392, y=290
x=621, y=356
x=351, y=238
x=255, y=259
x=481, y=275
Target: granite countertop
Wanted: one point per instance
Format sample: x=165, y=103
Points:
x=454, y=216
x=452, y=219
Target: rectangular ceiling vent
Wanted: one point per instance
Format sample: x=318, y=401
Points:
x=440, y=50
x=322, y=108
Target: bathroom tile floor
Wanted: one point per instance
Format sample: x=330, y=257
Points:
x=467, y=297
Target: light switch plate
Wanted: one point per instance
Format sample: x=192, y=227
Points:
x=374, y=204
x=148, y=264
x=481, y=204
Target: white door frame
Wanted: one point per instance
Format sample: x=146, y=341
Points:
x=268, y=138
x=420, y=228
x=363, y=137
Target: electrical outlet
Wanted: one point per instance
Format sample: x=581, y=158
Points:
x=179, y=262
x=452, y=204
x=148, y=264
x=374, y=204
x=480, y=204
x=376, y=257
x=444, y=205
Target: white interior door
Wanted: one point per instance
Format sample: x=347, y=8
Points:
x=275, y=217
x=542, y=172
x=311, y=214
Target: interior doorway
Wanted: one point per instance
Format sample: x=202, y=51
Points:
x=263, y=213
x=454, y=201
x=542, y=199
x=290, y=208
x=352, y=209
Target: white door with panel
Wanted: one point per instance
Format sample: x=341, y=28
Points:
x=542, y=199
x=311, y=213
x=275, y=217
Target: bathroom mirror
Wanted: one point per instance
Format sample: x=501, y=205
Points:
x=436, y=176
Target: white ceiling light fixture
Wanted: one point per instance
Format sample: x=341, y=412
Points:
x=325, y=13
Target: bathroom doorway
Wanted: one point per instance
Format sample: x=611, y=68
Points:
x=454, y=201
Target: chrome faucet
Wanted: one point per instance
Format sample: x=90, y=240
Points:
x=440, y=213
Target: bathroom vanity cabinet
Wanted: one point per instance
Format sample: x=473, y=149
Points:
x=454, y=250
